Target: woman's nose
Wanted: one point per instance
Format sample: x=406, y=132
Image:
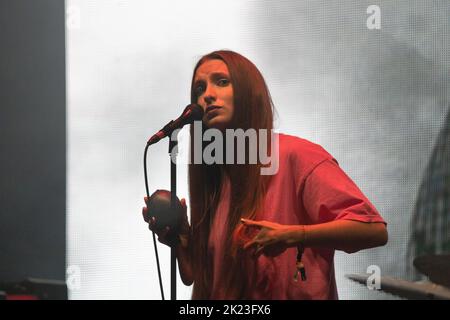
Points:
x=209, y=96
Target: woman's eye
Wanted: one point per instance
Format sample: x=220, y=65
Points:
x=199, y=90
x=223, y=82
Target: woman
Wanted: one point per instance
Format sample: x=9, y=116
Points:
x=251, y=235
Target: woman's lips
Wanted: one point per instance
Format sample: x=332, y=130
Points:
x=212, y=111
x=210, y=108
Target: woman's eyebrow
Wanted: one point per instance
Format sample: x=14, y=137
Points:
x=198, y=81
x=216, y=75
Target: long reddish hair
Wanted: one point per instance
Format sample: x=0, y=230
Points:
x=253, y=108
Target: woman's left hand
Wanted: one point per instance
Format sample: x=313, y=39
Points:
x=271, y=240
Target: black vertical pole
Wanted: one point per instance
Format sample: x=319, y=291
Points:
x=173, y=150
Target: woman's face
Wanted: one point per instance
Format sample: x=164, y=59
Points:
x=214, y=91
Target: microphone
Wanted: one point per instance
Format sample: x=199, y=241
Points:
x=191, y=113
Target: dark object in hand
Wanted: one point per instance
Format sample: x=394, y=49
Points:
x=159, y=206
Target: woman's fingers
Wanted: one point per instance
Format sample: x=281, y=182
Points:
x=267, y=249
x=248, y=222
x=258, y=224
x=164, y=232
x=258, y=247
x=145, y=213
x=259, y=251
x=250, y=244
x=152, y=223
x=259, y=240
x=162, y=236
x=145, y=210
x=265, y=243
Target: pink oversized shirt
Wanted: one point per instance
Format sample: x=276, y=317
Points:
x=309, y=188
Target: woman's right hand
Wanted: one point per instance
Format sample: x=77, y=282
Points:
x=164, y=235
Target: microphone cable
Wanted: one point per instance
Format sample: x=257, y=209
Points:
x=153, y=232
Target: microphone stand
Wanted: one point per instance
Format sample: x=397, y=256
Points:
x=173, y=152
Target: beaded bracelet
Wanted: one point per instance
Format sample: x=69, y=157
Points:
x=300, y=267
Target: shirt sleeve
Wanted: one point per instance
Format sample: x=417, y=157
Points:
x=329, y=194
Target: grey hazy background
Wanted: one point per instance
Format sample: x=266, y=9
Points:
x=375, y=99
x=32, y=141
